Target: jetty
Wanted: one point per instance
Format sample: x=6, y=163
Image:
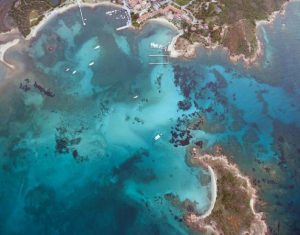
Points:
x=159, y=63
x=79, y=6
x=159, y=55
x=164, y=59
x=123, y=27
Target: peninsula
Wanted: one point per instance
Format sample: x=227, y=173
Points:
x=233, y=199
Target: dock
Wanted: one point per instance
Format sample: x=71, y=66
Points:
x=159, y=63
x=164, y=59
x=80, y=10
x=123, y=27
x=159, y=55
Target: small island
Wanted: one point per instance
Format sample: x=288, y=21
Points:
x=233, y=198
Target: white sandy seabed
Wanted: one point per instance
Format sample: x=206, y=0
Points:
x=4, y=48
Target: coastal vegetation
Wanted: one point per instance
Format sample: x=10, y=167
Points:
x=182, y=2
x=134, y=18
x=233, y=211
x=229, y=23
x=29, y=13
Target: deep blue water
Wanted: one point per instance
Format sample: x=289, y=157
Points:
x=77, y=142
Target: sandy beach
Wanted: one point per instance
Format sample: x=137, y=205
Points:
x=67, y=6
x=191, y=50
x=214, y=193
x=165, y=22
x=171, y=48
x=4, y=48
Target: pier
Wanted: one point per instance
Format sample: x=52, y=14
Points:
x=123, y=27
x=164, y=59
x=128, y=16
x=159, y=63
x=158, y=55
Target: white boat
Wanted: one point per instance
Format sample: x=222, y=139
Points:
x=135, y=97
x=92, y=63
x=154, y=45
x=157, y=137
x=110, y=12
x=74, y=72
x=97, y=47
x=67, y=69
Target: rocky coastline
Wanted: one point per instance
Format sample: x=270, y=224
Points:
x=228, y=214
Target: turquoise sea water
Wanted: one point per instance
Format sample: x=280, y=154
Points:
x=77, y=134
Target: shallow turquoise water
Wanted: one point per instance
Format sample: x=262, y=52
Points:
x=84, y=160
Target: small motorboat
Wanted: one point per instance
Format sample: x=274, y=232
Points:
x=157, y=136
